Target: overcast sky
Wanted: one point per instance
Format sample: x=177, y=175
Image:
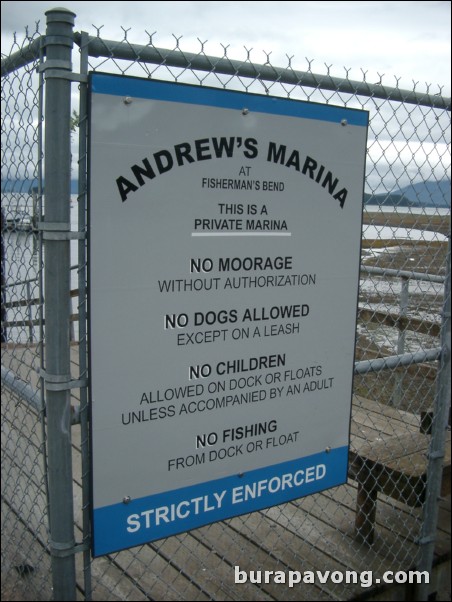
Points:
x=410, y=40
x=405, y=40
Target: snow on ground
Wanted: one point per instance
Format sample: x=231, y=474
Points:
x=393, y=286
x=389, y=233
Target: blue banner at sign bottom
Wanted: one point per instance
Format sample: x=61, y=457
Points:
x=153, y=517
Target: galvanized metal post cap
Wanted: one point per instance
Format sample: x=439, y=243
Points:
x=60, y=14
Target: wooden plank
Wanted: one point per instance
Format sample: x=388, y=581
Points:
x=111, y=583
x=22, y=450
x=160, y=579
x=296, y=549
x=339, y=541
x=24, y=364
x=23, y=486
x=108, y=581
x=394, y=449
x=143, y=572
x=336, y=538
x=205, y=559
x=404, y=521
x=21, y=548
x=401, y=322
x=388, y=551
x=265, y=548
x=379, y=423
x=406, y=418
x=360, y=434
x=27, y=500
x=398, y=467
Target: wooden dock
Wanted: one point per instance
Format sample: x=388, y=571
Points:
x=316, y=533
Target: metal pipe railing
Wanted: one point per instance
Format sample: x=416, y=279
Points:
x=98, y=47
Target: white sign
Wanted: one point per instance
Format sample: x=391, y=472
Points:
x=224, y=237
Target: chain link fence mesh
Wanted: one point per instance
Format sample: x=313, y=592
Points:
x=404, y=263
x=24, y=543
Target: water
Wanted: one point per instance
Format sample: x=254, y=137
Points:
x=22, y=266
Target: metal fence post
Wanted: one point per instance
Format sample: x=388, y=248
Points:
x=58, y=67
x=403, y=308
x=438, y=442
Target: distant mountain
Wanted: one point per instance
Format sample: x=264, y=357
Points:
x=391, y=199
x=24, y=186
x=428, y=194
x=422, y=194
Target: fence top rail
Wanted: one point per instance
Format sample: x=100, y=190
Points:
x=403, y=274
x=397, y=361
x=22, y=57
x=98, y=47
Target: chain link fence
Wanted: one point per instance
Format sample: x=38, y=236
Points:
x=387, y=517
x=25, y=552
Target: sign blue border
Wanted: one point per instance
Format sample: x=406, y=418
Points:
x=117, y=85
x=140, y=521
